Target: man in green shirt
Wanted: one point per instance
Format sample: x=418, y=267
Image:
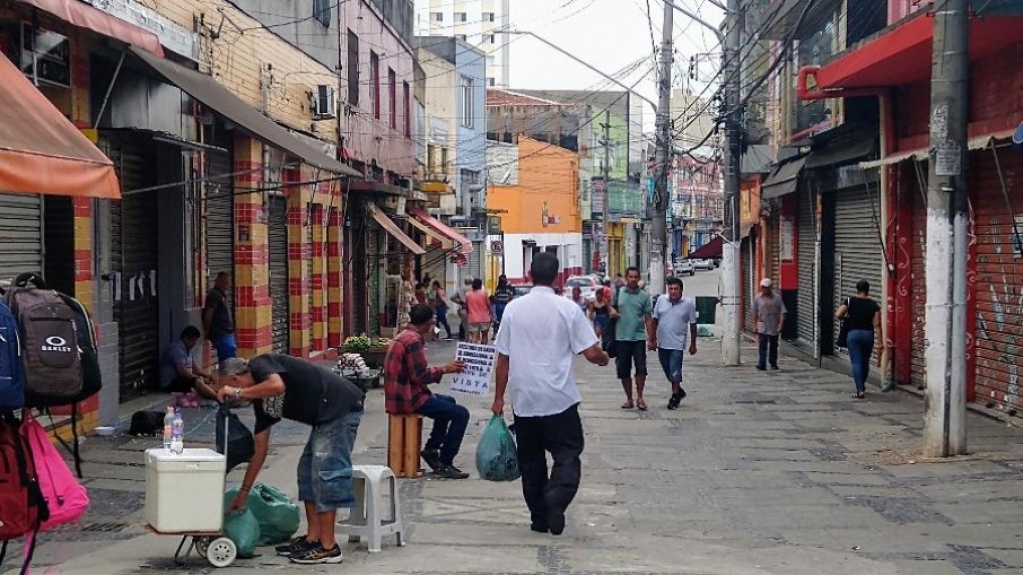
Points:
x=632, y=308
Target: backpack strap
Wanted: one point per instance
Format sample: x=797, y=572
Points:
x=26, y=278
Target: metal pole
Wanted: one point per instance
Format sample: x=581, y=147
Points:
x=605, y=214
x=659, y=227
x=945, y=418
x=730, y=283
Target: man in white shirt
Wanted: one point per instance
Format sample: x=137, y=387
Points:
x=674, y=319
x=539, y=335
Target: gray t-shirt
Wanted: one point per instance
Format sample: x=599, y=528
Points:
x=673, y=321
x=768, y=311
x=174, y=354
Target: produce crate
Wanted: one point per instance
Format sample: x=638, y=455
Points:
x=374, y=356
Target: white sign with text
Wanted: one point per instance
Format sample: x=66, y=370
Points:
x=479, y=364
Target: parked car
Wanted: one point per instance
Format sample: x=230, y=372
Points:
x=587, y=285
x=705, y=265
x=683, y=267
x=522, y=289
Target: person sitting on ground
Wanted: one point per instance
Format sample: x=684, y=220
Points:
x=282, y=386
x=407, y=379
x=179, y=373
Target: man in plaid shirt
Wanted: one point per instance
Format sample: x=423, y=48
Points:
x=407, y=377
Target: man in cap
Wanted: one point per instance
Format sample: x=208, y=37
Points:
x=769, y=312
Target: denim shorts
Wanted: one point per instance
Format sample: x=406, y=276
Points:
x=325, y=468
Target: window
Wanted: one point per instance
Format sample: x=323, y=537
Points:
x=406, y=98
x=491, y=82
x=491, y=39
x=462, y=37
x=461, y=17
x=488, y=17
x=437, y=16
x=321, y=12
x=392, y=94
x=374, y=83
x=467, y=102
x=444, y=160
x=353, y=68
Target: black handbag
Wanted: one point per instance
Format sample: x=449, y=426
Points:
x=843, y=330
x=608, y=343
x=233, y=438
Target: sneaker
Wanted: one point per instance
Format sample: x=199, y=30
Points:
x=675, y=400
x=316, y=555
x=452, y=472
x=294, y=547
x=432, y=459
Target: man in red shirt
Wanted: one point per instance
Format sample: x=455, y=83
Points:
x=407, y=377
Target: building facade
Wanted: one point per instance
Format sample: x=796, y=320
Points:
x=477, y=22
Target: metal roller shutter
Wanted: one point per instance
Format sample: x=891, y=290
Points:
x=135, y=257
x=21, y=234
x=918, y=271
x=858, y=252
x=749, y=289
x=376, y=248
x=806, y=268
x=279, y=293
x=220, y=217
x=476, y=260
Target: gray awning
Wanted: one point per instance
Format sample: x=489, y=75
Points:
x=220, y=99
x=783, y=180
x=840, y=154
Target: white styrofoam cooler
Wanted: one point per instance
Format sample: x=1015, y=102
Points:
x=185, y=492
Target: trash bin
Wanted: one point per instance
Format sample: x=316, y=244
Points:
x=706, y=309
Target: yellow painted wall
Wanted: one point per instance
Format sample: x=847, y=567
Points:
x=548, y=186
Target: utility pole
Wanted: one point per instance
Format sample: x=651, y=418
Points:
x=659, y=228
x=731, y=158
x=605, y=212
x=945, y=329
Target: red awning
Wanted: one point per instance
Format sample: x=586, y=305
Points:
x=901, y=54
x=710, y=250
x=41, y=151
x=436, y=224
x=85, y=16
x=393, y=229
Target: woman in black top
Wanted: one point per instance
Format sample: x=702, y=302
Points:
x=863, y=317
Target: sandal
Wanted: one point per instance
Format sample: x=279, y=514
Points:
x=641, y=405
x=628, y=405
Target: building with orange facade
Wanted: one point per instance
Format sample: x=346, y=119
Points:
x=534, y=189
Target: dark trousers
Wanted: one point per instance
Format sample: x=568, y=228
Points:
x=768, y=344
x=562, y=436
x=442, y=319
x=449, y=423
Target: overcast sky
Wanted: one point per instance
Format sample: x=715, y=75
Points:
x=610, y=35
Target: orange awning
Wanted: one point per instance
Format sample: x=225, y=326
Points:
x=436, y=224
x=41, y=151
x=90, y=18
x=393, y=229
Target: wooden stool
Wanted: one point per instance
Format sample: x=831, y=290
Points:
x=404, y=436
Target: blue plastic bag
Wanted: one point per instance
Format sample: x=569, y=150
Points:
x=496, y=457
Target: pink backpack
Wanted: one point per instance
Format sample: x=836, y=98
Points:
x=66, y=498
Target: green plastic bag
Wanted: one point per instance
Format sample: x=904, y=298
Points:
x=240, y=527
x=277, y=514
x=496, y=458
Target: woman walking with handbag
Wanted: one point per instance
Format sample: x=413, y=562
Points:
x=861, y=317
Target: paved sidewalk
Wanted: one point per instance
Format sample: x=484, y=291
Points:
x=759, y=473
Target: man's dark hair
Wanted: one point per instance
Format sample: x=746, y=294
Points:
x=631, y=269
x=675, y=282
x=221, y=275
x=863, y=286
x=544, y=269
x=420, y=314
x=477, y=284
x=190, y=332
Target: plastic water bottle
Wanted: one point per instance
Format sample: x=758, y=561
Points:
x=177, y=444
x=168, y=424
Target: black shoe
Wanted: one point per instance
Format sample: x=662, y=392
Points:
x=539, y=528
x=556, y=520
x=774, y=367
x=432, y=459
x=676, y=399
x=452, y=472
x=296, y=546
x=317, y=554
x=761, y=368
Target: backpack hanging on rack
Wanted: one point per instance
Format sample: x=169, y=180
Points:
x=12, y=367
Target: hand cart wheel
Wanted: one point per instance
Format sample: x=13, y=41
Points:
x=202, y=544
x=221, y=552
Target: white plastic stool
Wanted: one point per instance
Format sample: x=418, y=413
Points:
x=366, y=522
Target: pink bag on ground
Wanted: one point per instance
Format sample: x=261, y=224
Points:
x=65, y=496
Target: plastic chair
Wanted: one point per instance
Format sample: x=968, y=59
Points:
x=366, y=524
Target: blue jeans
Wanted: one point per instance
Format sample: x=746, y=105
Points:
x=671, y=362
x=442, y=319
x=225, y=346
x=449, y=423
x=325, y=468
x=861, y=346
x=768, y=348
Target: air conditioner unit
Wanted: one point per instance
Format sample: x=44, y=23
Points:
x=325, y=102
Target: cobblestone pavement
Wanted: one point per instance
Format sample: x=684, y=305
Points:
x=776, y=472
